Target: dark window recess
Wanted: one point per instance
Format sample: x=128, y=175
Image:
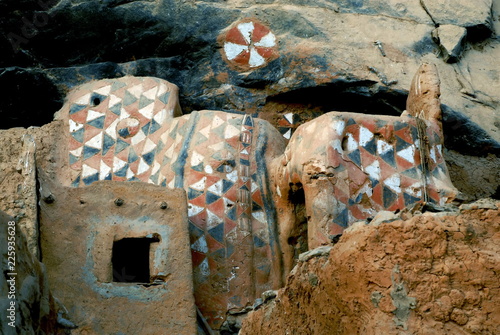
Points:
x=130, y=260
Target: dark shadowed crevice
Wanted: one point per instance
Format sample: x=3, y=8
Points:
x=496, y=195
x=466, y=137
x=29, y=98
x=356, y=98
x=298, y=236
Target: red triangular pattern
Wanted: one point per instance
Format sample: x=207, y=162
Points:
x=433, y=194
x=213, y=265
x=242, y=58
x=213, y=245
x=217, y=207
x=385, y=170
x=369, y=123
x=110, y=118
x=259, y=31
x=357, y=213
x=80, y=116
x=134, y=167
x=77, y=165
x=256, y=196
x=229, y=225
x=386, y=131
x=234, y=36
x=354, y=131
x=211, y=180
x=194, y=177
x=94, y=162
x=90, y=132
x=405, y=134
x=149, y=83
x=199, y=201
x=108, y=158
x=377, y=196
x=398, y=204
x=407, y=181
x=197, y=258
x=340, y=195
x=402, y=163
x=73, y=144
x=265, y=52
x=200, y=220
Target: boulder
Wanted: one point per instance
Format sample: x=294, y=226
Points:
x=434, y=273
x=450, y=39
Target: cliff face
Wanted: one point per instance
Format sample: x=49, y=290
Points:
x=434, y=273
x=356, y=56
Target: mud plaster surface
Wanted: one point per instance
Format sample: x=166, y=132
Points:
x=434, y=273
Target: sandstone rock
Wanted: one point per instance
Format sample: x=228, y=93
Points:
x=24, y=286
x=361, y=52
x=317, y=252
x=451, y=41
x=18, y=194
x=460, y=13
x=486, y=203
x=476, y=177
x=440, y=277
x=383, y=216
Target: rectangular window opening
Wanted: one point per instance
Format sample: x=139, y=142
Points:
x=130, y=259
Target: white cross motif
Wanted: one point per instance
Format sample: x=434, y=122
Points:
x=249, y=44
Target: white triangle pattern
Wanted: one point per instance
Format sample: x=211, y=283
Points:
x=92, y=115
x=118, y=163
x=212, y=219
x=88, y=171
x=143, y=167
x=95, y=142
x=104, y=90
x=104, y=170
x=192, y=209
x=216, y=188
x=200, y=245
x=136, y=91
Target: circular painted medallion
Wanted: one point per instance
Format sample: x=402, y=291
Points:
x=249, y=44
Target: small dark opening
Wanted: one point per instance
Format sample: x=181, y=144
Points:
x=130, y=260
x=96, y=101
x=298, y=236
